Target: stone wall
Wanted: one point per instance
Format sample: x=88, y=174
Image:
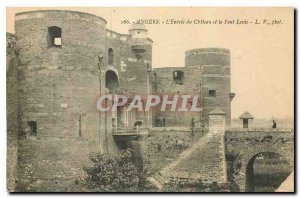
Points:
x=164, y=84
x=12, y=109
x=52, y=164
x=205, y=70
x=207, y=56
x=162, y=146
x=59, y=89
x=57, y=81
x=133, y=71
x=215, y=75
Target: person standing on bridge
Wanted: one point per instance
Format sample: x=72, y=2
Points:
x=192, y=127
x=274, y=125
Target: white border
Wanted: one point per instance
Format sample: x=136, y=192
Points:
x=120, y=3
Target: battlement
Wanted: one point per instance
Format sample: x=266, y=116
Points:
x=206, y=50
x=207, y=56
x=65, y=14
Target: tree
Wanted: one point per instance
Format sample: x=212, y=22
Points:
x=113, y=173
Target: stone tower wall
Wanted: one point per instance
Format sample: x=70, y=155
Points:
x=12, y=109
x=59, y=88
x=215, y=75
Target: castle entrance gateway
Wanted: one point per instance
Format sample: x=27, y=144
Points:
x=111, y=82
x=111, y=86
x=122, y=121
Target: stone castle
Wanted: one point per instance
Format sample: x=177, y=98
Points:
x=60, y=62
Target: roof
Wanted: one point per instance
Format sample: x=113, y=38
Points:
x=246, y=115
x=217, y=111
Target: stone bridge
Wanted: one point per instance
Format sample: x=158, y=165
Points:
x=247, y=144
x=219, y=155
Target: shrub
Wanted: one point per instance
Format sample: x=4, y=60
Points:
x=114, y=173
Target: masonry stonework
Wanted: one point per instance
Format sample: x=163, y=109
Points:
x=12, y=109
x=61, y=68
x=207, y=74
x=248, y=144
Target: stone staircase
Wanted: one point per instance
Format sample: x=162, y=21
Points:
x=204, y=160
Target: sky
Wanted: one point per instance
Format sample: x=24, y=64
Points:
x=262, y=56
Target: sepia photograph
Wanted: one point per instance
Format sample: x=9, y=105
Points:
x=150, y=99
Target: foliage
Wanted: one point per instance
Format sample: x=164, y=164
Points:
x=114, y=173
x=196, y=186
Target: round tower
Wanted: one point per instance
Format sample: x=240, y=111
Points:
x=59, y=82
x=138, y=34
x=59, y=69
x=214, y=79
x=12, y=109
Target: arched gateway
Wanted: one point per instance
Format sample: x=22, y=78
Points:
x=253, y=146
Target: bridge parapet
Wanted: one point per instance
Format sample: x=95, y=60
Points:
x=243, y=135
x=129, y=131
x=236, y=130
x=241, y=139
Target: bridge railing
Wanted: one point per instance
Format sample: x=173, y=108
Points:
x=129, y=130
x=285, y=130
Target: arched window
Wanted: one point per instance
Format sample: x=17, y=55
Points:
x=110, y=56
x=178, y=77
x=33, y=127
x=138, y=123
x=111, y=81
x=54, y=37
